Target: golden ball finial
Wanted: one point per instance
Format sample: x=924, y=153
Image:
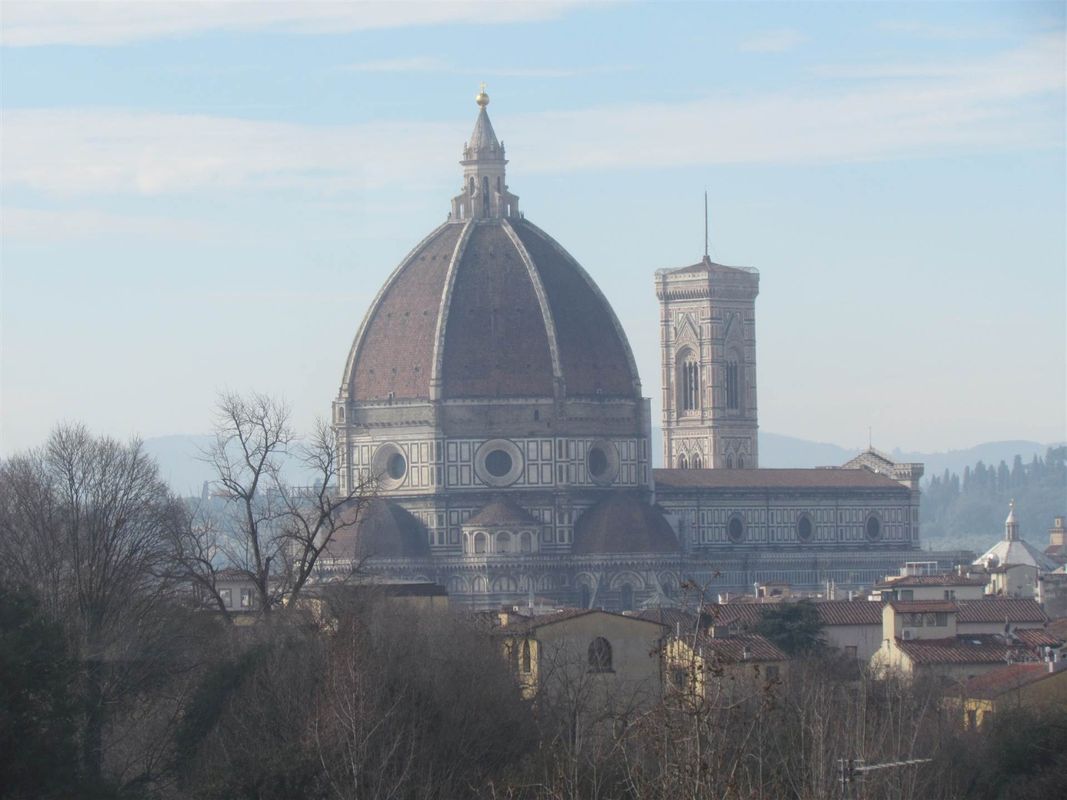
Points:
x=482, y=98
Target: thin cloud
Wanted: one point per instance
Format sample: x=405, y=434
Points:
x=50, y=225
x=777, y=41
x=993, y=104
x=85, y=22
x=424, y=64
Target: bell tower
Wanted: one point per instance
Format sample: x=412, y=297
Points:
x=708, y=356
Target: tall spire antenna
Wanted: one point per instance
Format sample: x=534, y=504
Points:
x=705, y=223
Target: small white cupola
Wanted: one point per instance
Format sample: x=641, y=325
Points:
x=1011, y=526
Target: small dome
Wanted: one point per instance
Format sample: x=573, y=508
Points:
x=379, y=529
x=623, y=523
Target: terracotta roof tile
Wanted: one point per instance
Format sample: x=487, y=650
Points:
x=849, y=612
x=1037, y=637
x=494, y=337
x=746, y=615
x=732, y=649
x=831, y=478
x=1000, y=681
x=1058, y=628
x=495, y=340
x=594, y=356
x=674, y=618
x=396, y=351
x=971, y=649
x=999, y=609
x=924, y=606
x=623, y=522
x=520, y=627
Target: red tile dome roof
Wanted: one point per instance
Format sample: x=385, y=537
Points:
x=484, y=309
x=623, y=523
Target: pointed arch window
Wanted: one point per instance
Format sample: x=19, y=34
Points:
x=733, y=386
x=485, y=193
x=688, y=383
x=683, y=461
x=526, y=658
x=697, y=463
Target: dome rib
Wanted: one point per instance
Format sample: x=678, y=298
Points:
x=495, y=343
x=370, y=376
x=436, y=376
x=592, y=362
x=542, y=301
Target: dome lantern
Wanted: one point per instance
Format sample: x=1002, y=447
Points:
x=485, y=192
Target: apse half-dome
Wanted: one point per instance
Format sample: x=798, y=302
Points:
x=624, y=522
x=489, y=306
x=378, y=528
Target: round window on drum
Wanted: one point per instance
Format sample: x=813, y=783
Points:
x=396, y=466
x=598, y=462
x=735, y=528
x=874, y=528
x=498, y=463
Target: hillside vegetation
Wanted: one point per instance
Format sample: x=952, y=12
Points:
x=968, y=510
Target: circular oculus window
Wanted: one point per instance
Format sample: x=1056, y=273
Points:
x=598, y=462
x=602, y=462
x=396, y=466
x=390, y=465
x=735, y=529
x=873, y=528
x=498, y=462
x=804, y=528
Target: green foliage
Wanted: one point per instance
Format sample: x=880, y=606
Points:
x=38, y=713
x=794, y=627
x=969, y=510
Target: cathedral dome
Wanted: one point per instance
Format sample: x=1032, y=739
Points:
x=623, y=523
x=489, y=306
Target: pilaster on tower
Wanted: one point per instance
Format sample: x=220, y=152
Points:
x=708, y=357
x=485, y=192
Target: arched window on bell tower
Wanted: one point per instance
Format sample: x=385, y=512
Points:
x=485, y=195
x=733, y=384
x=688, y=382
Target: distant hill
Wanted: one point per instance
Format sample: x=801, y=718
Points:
x=181, y=465
x=779, y=450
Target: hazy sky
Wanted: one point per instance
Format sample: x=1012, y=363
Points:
x=205, y=196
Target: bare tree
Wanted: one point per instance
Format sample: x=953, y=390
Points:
x=84, y=523
x=272, y=533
